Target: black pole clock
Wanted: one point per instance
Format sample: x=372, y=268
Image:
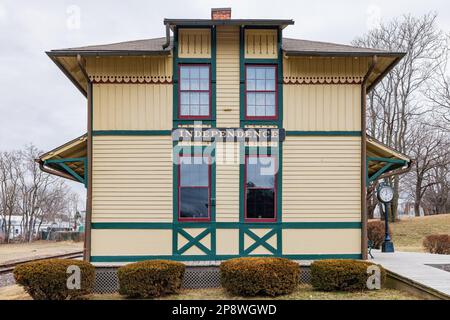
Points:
x=385, y=194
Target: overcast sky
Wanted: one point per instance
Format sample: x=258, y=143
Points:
x=39, y=104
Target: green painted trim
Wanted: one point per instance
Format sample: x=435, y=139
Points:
x=131, y=225
x=194, y=60
x=280, y=78
x=71, y=172
x=260, y=61
x=389, y=160
x=241, y=76
x=389, y=163
x=221, y=257
x=380, y=172
x=243, y=61
x=213, y=73
x=321, y=225
x=62, y=164
x=175, y=76
x=211, y=61
x=324, y=133
x=177, y=225
x=194, y=241
x=260, y=241
x=227, y=225
x=65, y=160
x=131, y=132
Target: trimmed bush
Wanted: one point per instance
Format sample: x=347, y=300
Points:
x=259, y=276
x=341, y=275
x=437, y=243
x=47, y=279
x=375, y=233
x=151, y=278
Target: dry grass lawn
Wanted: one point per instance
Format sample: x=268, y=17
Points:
x=409, y=233
x=303, y=292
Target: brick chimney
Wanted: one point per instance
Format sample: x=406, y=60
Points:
x=221, y=13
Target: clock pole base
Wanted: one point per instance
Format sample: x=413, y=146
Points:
x=387, y=246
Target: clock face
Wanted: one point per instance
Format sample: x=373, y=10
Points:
x=385, y=194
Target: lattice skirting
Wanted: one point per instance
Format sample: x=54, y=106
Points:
x=106, y=280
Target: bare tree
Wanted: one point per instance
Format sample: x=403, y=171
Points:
x=398, y=100
x=429, y=148
x=10, y=177
x=42, y=196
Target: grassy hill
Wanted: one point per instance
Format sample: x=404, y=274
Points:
x=408, y=233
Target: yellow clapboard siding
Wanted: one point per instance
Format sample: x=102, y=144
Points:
x=227, y=182
x=227, y=76
x=321, y=178
x=194, y=43
x=323, y=241
x=126, y=189
x=131, y=242
x=322, y=107
x=132, y=106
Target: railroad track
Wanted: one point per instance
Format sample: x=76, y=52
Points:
x=9, y=267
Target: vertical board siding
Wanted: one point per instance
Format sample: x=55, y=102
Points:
x=227, y=76
x=322, y=107
x=227, y=182
x=194, y=43
x=260, y=43
x=132, y=106
x=132, y=179
x=130, y=69
x=325, y=70
x=321, y=179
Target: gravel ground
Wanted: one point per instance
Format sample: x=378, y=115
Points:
x=6, y=279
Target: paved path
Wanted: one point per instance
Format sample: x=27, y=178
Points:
x=414, y=266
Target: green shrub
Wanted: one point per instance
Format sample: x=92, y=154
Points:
x=437, y=243
x=375, y=233
x=152, y=278
x=47, y=279
x=341, y=275
x=259, y=276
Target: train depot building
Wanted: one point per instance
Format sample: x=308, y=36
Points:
x=223, y=139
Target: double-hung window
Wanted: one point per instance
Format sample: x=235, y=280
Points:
x=260, y=188
x=261, y=92
x=194, y=188
x=194, y=92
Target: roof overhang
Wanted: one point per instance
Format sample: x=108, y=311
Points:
x=68, y=160
x=383, y=160
x=281, y=23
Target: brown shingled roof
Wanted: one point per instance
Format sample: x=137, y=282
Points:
x=307, y=47
x=152, y=46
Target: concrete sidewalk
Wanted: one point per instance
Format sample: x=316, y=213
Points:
x=415, y=266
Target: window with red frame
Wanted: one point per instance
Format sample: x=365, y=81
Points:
x=260, y=188
x=195, y=91
x=261, y=92
x=194, y=188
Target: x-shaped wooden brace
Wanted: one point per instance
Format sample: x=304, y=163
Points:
x=260, y=241
x=194, y=241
